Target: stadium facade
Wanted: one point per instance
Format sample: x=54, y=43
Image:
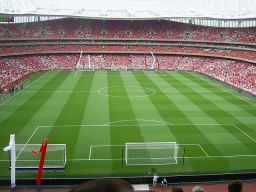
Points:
x=219, y=13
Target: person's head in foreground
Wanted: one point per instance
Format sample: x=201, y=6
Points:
x=235, y=186
x=104, y=185
x=198, y=189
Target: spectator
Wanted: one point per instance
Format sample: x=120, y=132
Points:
x=235, y=186
x=104, y=185
x=177, y=189
x=155, y=177
x=198, y=189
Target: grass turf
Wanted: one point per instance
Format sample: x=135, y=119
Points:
x=96, y=113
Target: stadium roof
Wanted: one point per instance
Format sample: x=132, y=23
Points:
x=133, y=9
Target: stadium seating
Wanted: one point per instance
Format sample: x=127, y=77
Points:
x=243, y=54
x=236, y=73
x=77, y=28
x=14, y=68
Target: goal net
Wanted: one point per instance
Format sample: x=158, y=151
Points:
x=151, y=153
x=55, y=157
x=118, y=68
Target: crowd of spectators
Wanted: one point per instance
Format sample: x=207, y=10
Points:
x=238, y=74
x=243, y=54
x=14, y=68
x=81, y=28
x=119, y=185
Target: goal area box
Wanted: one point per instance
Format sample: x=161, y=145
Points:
x=27, y=160
x=151, y=153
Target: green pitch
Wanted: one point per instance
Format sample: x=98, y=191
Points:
x=96, y=113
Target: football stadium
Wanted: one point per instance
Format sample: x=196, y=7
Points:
x=142, y=91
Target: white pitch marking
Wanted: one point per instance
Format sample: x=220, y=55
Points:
x=199, y=147
x=23, y=89
x=226, y=91
x=106, y=159
x=129, y=120
x=91, y=146
x=94, y=159
x=195, y=157
x=100, y=125
x=206, y=124
x=107, y=145
x=192, y=91
x=162, y=91
x=218, y=156
x=62, y=91
x=163, y=73
x=144, y=125
x=90, y=152
x=203, y=150
x=47, y=126
x=113, y=123
x=140, y=96
x=27, y=142
x=244, y=133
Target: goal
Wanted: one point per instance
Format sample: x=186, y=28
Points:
x=151, y=153
x=118, y=68
x=55, y=158
x=22, y=157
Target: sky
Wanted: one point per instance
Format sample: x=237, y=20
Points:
x=133, y=8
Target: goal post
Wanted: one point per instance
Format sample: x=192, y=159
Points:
x=12, y=158
x=21, y=157
x=151, y=153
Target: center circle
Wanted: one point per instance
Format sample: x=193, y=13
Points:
x=127, y=91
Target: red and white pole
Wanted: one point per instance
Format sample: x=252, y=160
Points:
x=41, y=163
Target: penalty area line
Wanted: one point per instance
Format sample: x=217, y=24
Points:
x=244, y=133
x=90, y=152
x=27, y=142
x=193, y=157
x=195, y=144
x=203, y=150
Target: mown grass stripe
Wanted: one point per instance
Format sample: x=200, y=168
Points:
x=214, y=111
x=226, y=96
x=157, y=129
x=120, y=109
x=14, y=102
x=48, y=113
x=244, y=109
x=97, y=114
x=79, y=166
x=226, y=88
x=19, y=118
x=72, y=114
x=211, y=148
x=169, y=111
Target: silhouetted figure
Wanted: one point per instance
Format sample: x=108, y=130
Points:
x=235, y=186
x=177, y=189
x=104, y=185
